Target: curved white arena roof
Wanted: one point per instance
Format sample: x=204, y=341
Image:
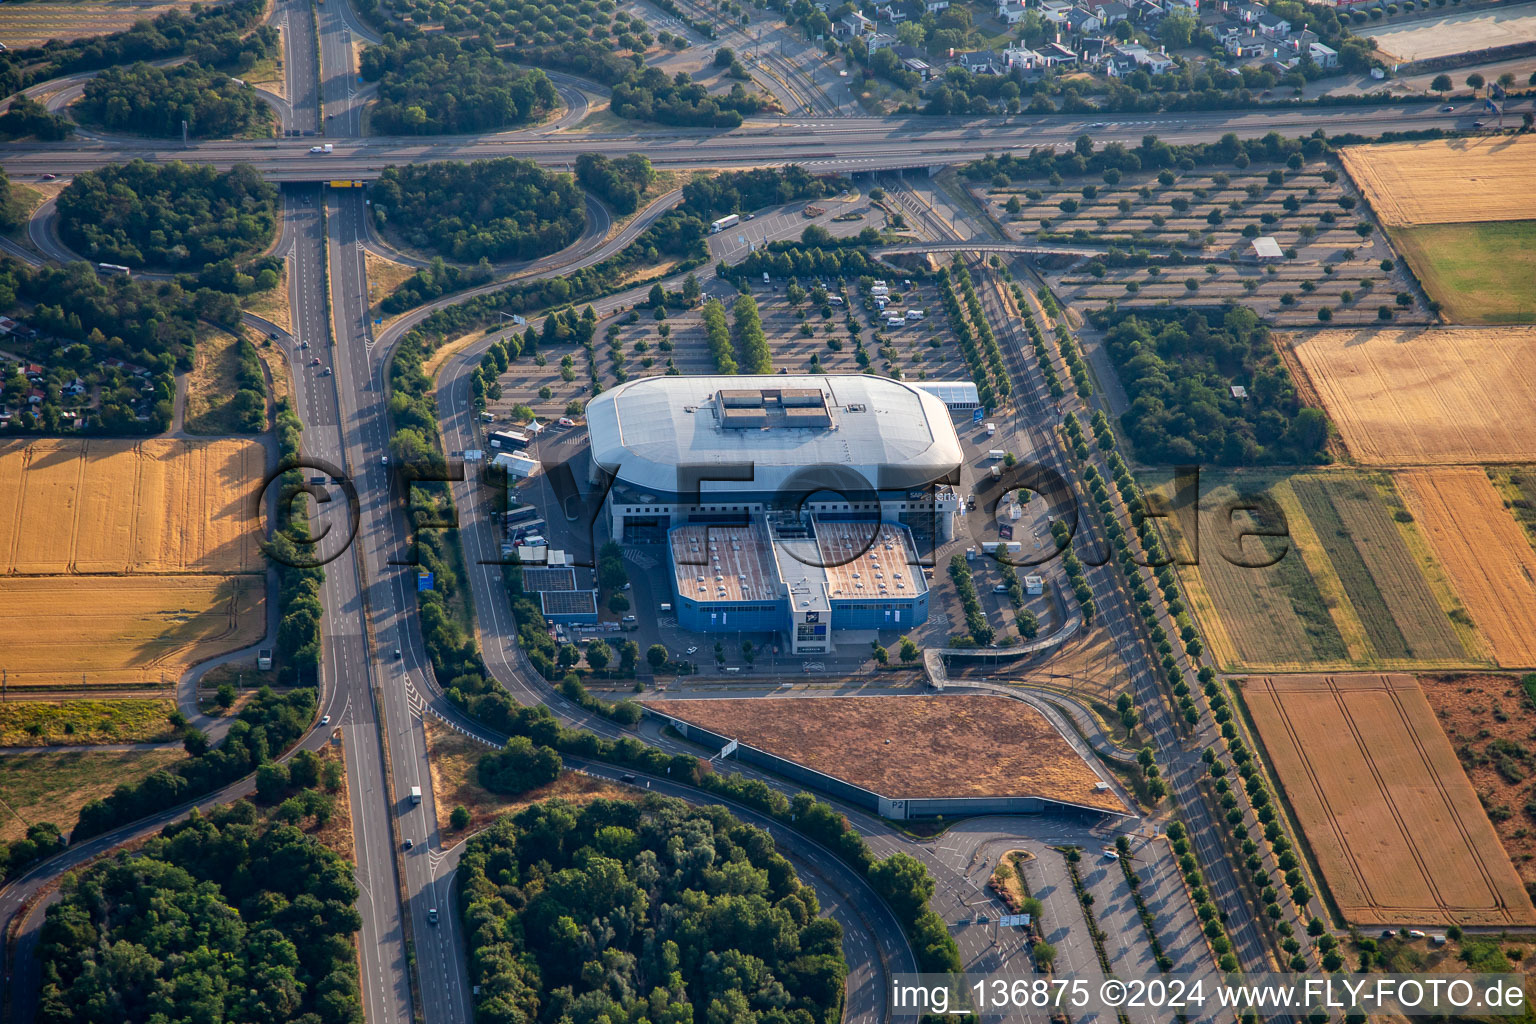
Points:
x=647, y=432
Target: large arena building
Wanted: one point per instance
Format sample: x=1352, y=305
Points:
x=790, y=504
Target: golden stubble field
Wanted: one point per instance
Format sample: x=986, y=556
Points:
x=1428, y=396
x=123, y=563
x=1447, y=181
x=1485, y=554
x=84, y=506
x=123, y=631
x=1388, y=812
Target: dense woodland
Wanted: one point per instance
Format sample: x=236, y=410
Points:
x=1178, y=369
x=619, y=183
x=660, y=912
x=228, y=36
x=434, y=85
x=219, y=918
x=149, y=100
x=177, y=216
x=504, y=209
x=27, y=117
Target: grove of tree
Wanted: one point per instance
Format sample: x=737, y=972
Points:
x=653, y=911
x=176, y=216
x=489, y=209
x=149, y=100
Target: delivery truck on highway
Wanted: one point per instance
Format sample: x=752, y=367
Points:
x=415, y=794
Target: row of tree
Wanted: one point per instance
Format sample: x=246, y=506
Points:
x=506, y=209
x=150, y=100
x=752, y=352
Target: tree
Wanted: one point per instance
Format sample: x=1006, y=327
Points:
x=518, y=767
x=1441, y=84
x=224, y=696
x=909, y=651
x=903, y=882
x=1177, y=29
x=599, y=655
x=882, y=656
x=1475, y=81
x=1045, y=954
x=195, y=742
x=656, y=655
x=459, y=819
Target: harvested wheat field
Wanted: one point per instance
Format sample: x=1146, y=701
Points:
x=1446, y=181
x=1484, y=552
x=944, y=747
x=123, y=631
x=157, y=506
x=1428, y=396
x=1395, y=826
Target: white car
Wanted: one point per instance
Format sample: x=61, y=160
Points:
x=692, y=650
x=325, y=719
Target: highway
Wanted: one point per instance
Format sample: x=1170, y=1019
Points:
x=377, y=684
x=845, y=144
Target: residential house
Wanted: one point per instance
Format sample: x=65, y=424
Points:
x=1249, y=14
x=1273, y=26
x=879, y=41
x=1147, y=13
x=33, y=372
x=891, y=13
x=1083, y=22
x=1095, y=51
x=35, y=397
x=74, y=387
x=935, y=6
x=918, y=67
x=1241, y=40
x=1155, y=61
x=853, y=25
x=1010, y=12
x=1022, y=57
x=1323, y=55
x=1192, y=6
x=1110, y=12
x=979, y=62
x=1056, y=55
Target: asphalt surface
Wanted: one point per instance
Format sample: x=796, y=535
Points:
x=846, y=144
x=376, y=680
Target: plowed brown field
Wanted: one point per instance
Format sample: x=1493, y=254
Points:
x=123, y=630
x=1484, y=552
x=1427, y=396
x=1446, y=181
x=94, y=506
x=1395, y=825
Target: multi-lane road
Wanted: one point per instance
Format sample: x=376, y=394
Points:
x=847, y=144
x=376, y=680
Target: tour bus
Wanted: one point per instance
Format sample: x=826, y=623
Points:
x=724, y=222
x=113, y=268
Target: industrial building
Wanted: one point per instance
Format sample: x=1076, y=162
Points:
x=958, y=755
x=805, y=580
x=676, y=450
x=792, y=505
